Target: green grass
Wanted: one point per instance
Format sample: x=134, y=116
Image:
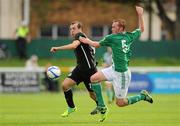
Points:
x=44, y=109
x=14, y=62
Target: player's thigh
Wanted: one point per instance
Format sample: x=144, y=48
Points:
x=104, y=74
x=76, y=75
x=85, y=76
x=108, y=73
x=121, y=83
x=68, y=83
x=98, y=77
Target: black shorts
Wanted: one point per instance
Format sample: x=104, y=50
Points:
x=81, y=75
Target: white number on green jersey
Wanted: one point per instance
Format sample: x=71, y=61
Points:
x=125, y=47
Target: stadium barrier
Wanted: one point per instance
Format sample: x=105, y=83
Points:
x=150, y=49
x=20, y=79
x=153, y=79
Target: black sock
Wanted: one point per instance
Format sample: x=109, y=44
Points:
x=69, y=98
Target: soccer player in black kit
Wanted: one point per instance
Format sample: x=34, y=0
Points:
x=86, y=66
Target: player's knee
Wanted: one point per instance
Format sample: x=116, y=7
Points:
x=94, y=78
x=65, y=86
x=121, y=103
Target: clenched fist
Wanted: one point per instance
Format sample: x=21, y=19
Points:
x=139, y=10
x=53, y=49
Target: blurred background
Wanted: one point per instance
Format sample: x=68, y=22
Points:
x=29, y=28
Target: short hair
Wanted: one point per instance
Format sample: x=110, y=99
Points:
x=122, y=23
x=79, y=24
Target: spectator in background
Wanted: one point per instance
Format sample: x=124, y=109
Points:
x=32, y=63
x=107, y=62
x=21, y=40
x=3, y=51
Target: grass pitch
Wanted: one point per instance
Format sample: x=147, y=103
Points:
x=44, y=109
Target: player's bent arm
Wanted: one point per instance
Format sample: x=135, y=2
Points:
x=72, y=46
x=94, y=44
x=90, y=42
x=139, y=11
x=141, y=23
x=75, y=44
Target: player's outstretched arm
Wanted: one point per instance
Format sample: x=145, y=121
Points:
x=73, y=45
x=89, y=42
x=53, y=49
x=139, y=11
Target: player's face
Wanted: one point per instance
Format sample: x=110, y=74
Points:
x=74, y=29
x=116, y=28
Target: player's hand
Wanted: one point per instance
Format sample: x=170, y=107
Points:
x=84, y=40
x=139, y=10
x=53, y=49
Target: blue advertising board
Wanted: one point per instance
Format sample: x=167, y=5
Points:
x=156, y=82
x=140, y=81
x=165, y=82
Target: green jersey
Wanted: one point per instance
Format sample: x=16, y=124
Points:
x=22, y=31
x=120, y=44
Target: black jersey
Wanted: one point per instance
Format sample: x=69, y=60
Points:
x=85, y=54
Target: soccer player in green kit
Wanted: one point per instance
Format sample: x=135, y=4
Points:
x=119, y=73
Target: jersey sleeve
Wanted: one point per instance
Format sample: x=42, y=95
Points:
x=79, y=35
x=105, y=41
x=135, y=34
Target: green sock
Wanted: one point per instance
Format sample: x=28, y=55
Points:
x=134, y=99
x=109, y=94
x=98, y=91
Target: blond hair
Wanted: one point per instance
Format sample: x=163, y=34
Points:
x=121, y=22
